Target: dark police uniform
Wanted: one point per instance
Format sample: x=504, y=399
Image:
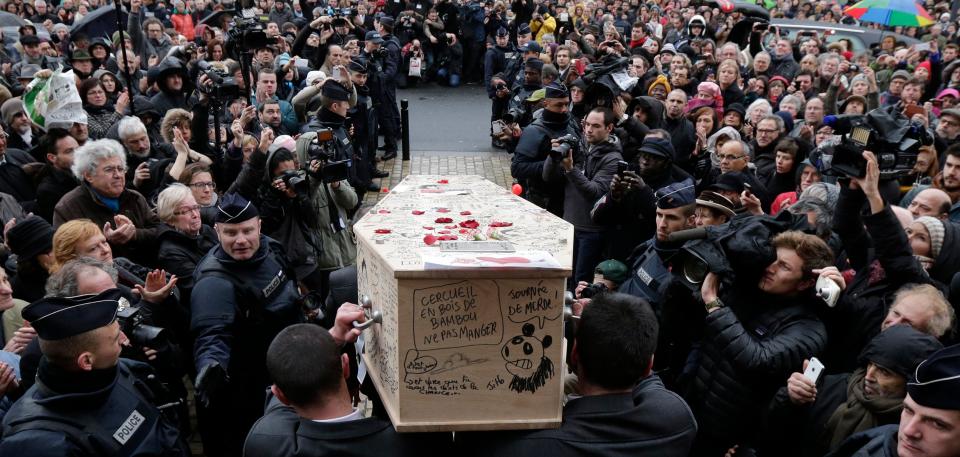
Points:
x=100, y=412
x=238, y=307
x=651, y=277
x=532, y=150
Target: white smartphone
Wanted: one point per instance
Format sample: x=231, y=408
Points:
x=814, y=368
x=497, y=127
x=920, y=47
x=337, y=74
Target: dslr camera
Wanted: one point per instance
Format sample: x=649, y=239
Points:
x=566, y=142
x=296, y=180
x=131, y=323
x=593, y=290
x=887, y=133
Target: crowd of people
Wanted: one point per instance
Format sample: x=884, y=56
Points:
x=178, y=255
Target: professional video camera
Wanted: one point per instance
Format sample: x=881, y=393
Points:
x=246, y=34
x=224, y=86
x=605, y=80
x=131, y=323
x=333, y=167
x=566, y=142
x=741, y=245
x=893, y=138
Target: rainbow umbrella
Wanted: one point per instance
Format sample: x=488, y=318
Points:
x=890, y=12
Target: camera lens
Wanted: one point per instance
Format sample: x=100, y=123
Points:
x=695, y=270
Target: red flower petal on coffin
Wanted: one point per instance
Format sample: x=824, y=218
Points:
x=501, y=224
x=384, y=211
x=470, y=224
x=443, y=181
x=417, y=212
x=443, y=220
x=443, y=231
x=465, y=213
x=427, y=227
x=450, y=226
x=443, y=210
x=448, y=238
x=382, y=231
x=464, y=231
x=430, y=239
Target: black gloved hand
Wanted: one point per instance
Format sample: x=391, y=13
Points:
x=211, y=384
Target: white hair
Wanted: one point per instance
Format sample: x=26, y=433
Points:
x=87, y=158
x=760, y=103
x=169, y=199
x=791, y=99
x=130, y=126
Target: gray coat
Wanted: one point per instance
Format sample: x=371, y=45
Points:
x=587, y=182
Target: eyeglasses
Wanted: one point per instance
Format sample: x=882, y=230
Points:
x=731, y=157
x=204, y=185
x=187, y=210
x=767, y=131
x=115, y=169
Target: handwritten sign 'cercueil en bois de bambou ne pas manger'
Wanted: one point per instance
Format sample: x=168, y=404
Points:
x=469, y=280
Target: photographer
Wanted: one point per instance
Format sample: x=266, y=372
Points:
x=332, y=198
x=759, y=326
x=534, y=146
x=586, y=177
x=494, y=66
x=607, y=277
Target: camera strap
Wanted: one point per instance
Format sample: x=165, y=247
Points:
x=336, y=222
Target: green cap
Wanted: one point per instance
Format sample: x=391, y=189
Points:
x=613, y=270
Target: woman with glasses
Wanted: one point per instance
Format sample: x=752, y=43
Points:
x=101, y=113
x=199, y=179
x=184, y=239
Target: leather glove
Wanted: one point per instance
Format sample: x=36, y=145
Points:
x=211, y=384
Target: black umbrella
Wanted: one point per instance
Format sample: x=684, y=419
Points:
x=11, y=20
x=101, y=22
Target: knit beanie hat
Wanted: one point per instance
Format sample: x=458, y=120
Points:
x=660, y=80
x=30, y=237
x=935, y=228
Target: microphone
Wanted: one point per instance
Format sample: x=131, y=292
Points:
x=698, y=233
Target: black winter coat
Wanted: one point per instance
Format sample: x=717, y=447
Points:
x=858, y=315
x=749, y=350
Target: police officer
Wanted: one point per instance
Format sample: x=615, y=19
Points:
x=676, y=206
x=87, y=401
x=364, y=124
x=518, y=107
x=244, y=294
x=513, y=74
x=534, y=146
x=387, y=112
